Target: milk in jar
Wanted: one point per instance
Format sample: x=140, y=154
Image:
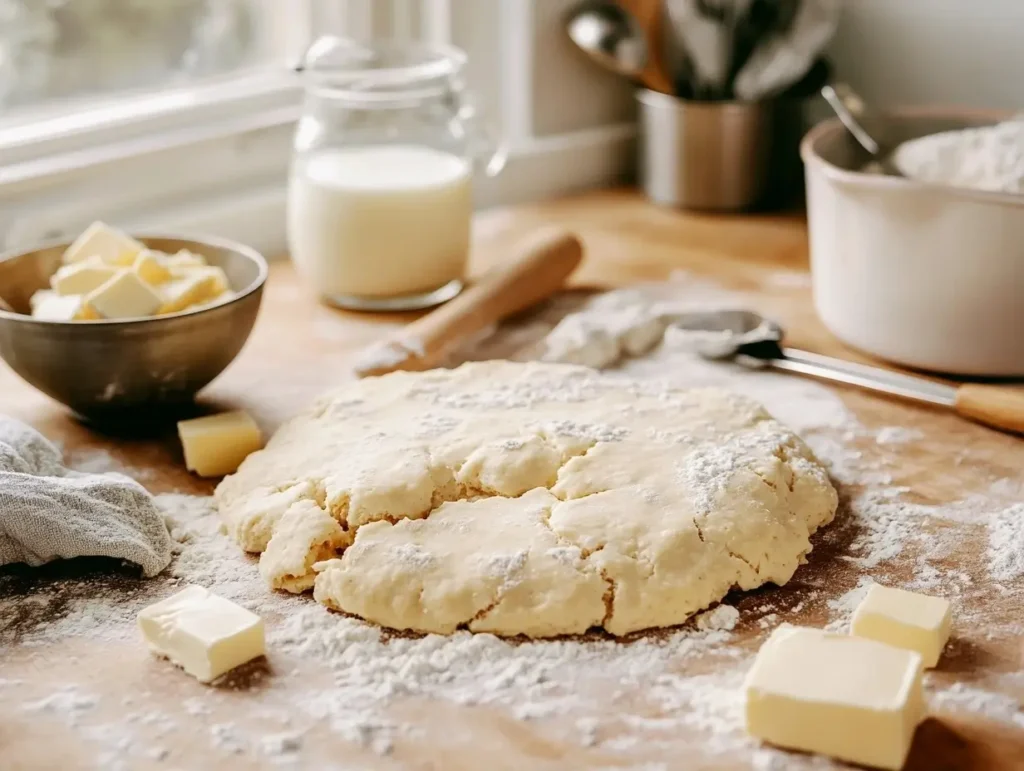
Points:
x=380, y=194
x=380, y=220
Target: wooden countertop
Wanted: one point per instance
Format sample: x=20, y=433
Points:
x=301, y=347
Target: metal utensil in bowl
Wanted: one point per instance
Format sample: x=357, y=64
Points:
x=753, y=341
x=870, y=129
x=135, y=368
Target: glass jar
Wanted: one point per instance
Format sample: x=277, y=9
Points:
x=380, y=192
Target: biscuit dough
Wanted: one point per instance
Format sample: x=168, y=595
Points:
x=536, y=499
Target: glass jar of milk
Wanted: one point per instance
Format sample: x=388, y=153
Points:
x=380, y=195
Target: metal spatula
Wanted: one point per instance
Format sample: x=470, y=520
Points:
x=754, y=341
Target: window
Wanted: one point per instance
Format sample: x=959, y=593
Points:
x=58, y=51
x=179, y=113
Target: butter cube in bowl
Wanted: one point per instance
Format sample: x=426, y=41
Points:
x=116, y=326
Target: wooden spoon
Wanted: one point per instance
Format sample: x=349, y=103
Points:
x=649, y=18
x=540, y=268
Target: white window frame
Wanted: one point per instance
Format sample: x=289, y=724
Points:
x=214, y=157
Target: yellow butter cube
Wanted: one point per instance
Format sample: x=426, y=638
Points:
x=905, y=619
x=82, y=277
x=39, y=297
x=203, y=633
x=223, y=297
x=217, y=280
x=198, y=286
x=50, y=306
x=182, y=262
x=846, y=697
x=109, y=244
x=150, y=268
x=217, y=444
x=126, y=296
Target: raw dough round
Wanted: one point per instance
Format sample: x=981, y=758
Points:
x=536, y=499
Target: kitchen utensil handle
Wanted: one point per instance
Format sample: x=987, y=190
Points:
x=996, y=406
x=540, y=268
x=873, y=378
x=649, y=17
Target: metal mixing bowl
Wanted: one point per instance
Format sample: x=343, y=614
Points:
x=118, y=368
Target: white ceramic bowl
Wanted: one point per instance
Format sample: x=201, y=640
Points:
x=927, y=276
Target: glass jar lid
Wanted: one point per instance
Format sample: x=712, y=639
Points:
x=381, y=70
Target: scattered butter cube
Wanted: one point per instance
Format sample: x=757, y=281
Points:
x=50, y=306
x=905, y=619
x=110, y=244
x=150, y=268
x=126, y=296
x=202, y=633
x=846, y=697
x=198, y=286
x=217, y=444
x=82, y=277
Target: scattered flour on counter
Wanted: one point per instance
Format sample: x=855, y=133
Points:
x=898, y=435
x=225, y=737
x=69, y=703
x=722, y=618
x=846, y=603
x=535, y=680
x=99, y=461
x=1006, y=543
x=843, y=606
x=281, y=745
x=967, y=698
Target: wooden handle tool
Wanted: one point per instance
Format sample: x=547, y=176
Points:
x=649, y=16
x=999, y=407
x=540, y=268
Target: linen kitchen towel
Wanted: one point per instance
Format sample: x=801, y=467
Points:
x=50, y=512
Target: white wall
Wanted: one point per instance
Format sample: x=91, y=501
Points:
x=904, y=52
x=570, y=92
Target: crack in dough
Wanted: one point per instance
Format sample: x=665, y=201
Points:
x=534, y=499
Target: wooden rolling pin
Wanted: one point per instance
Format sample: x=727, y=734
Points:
x=539, y=269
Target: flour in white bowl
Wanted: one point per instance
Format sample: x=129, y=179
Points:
x=988, y=158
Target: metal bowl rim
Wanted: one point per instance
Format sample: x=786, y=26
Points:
x=219, y=243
